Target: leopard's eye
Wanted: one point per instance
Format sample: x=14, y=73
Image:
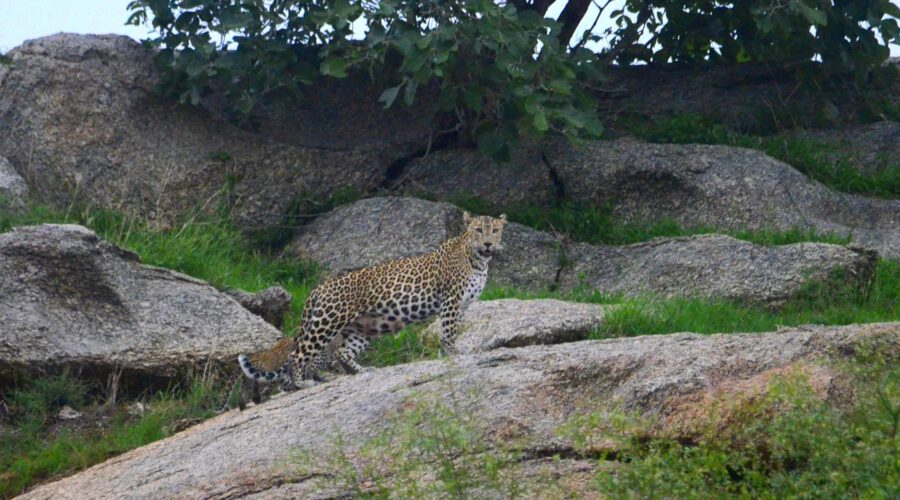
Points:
x=495, y=230
x=478, y=229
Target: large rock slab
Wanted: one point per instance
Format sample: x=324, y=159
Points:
x=69, y=299
x=493, y=324
x=13, y=190
x=376, y=230
x=80, y=121
x=716, y=266
x=522, y=395
x=718, y=186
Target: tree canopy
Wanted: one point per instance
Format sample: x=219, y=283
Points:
x=502, y=70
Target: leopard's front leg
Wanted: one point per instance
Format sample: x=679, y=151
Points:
x=451, y=313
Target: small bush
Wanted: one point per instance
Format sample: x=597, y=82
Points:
x=793, y=444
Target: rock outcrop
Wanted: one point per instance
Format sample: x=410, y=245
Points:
x=716, y=266
x=376, y=230
x=13, y=190
x=493, y=324
x=719, y=187
x=80, y=122
x=525, y=395
x=70, y=299
x=271, y=304
x=380, y=229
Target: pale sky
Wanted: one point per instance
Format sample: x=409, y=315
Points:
x=21, y=20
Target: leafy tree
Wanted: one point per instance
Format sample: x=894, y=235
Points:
x=501, y=70
x=500, y=73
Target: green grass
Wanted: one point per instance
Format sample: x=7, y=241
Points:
x=818, y=159
x=598, y=225
x=817, y=304
x=787, y=444
x=35, y=446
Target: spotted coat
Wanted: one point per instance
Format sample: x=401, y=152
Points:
x=361, y=305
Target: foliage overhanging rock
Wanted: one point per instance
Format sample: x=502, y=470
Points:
x=71, y=300
x=380, y=229
x=523, y=395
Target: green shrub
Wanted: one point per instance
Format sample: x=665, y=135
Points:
x=793, y=445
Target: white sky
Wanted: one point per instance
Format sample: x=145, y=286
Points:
x=21, y=20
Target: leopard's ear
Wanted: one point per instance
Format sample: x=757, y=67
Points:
x=467, y=217
x=503, y=218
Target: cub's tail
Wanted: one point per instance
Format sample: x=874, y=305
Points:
x=260, y=376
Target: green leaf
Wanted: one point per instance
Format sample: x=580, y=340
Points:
x=813, y=16
x=336, y=67
x=540, y=121
x=389, y=96
x=892, y=9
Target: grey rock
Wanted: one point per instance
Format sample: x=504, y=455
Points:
x=716, y=266
x=522, y=395
x=70, y=299
x=446, y=174
x=529, y=259
x=376, y=230
x=721, y=187
x=271, y=304
x=871, y=148
x=80, y=122
x=13, y=190
x=494, y=324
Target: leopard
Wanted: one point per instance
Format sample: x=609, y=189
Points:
x=262, y=369
x=345, y=313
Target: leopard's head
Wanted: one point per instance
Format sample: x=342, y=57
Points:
x=484, y=233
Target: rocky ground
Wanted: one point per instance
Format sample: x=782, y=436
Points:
x=523, y=395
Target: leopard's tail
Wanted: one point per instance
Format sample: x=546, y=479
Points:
x=258, y=375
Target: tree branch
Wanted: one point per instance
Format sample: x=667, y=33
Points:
x=570, y=18
x=539, y=6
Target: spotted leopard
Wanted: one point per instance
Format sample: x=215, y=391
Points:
x=346, y=312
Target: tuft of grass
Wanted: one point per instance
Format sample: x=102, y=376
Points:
x=35, y=446
x=817, y=159
x=406, y=346
x=425, y=439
